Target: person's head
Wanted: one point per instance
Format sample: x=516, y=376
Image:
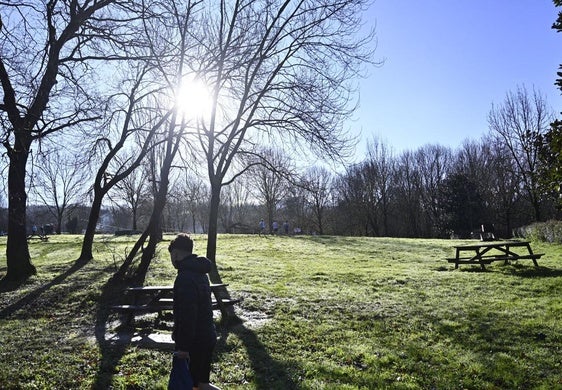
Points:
x=180, y=247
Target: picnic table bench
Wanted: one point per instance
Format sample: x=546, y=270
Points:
x=487, y=252
x=157, y=299
x=42, y=237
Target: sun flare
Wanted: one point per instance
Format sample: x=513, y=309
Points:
x=194, y=99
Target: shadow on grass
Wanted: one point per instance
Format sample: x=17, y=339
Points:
x=35, y=294
x=9, y=285
x=533, y=272
x=113, y=349
x=521, y=270
x=268, y=372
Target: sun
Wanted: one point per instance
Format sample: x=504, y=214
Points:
x=194, y=98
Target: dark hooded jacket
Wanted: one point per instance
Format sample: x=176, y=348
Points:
x=193, y=312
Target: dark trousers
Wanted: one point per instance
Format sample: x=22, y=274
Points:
x=200, y=357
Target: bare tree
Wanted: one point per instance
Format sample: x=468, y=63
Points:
x=233, y=211
x=505, y=189
x=167, y=32
x=188, y=197
x=268, y=177
x=135, y=126
x=517, y=125
x=408, y=205
x=381, y=167
x=434, y=164
x=129, y=193
x=318, y=183
x=295, y=206
x=356, y=201
x=45, y=52
x=279, y=70
x=196, y=202
x=60, y=182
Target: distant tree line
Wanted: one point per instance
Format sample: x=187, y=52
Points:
x=433, y=191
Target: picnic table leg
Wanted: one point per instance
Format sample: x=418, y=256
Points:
x=531, y=253
x=480, y=259
x=130, y=314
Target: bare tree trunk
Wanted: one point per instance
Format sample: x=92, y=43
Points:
x=212, y=232
x=134, y=227
x=154, y=228
x=125, y=267
x=228, y=315
x=88, y=240
x=17, y=251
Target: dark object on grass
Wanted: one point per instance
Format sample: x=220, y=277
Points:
x=180, y=377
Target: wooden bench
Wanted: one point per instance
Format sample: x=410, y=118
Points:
x=468, y=260
x=168, y=304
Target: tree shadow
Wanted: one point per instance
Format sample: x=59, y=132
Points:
x=111, y=349
x=10, y=285
x=35, y=294
x=114, y=343
x=268, y=372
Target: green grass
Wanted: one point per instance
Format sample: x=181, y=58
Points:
x=319, y=313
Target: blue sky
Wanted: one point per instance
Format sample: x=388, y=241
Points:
x=447, y=61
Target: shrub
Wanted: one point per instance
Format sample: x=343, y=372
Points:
x=549, y=231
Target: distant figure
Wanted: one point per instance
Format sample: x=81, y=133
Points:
x=34, y=230
x=275, y=227
x=488, y=232
x=262, y=227
x=286, y=227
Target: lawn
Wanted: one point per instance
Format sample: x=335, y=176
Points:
x=318, y=313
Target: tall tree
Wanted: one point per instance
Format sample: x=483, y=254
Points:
x=550, y=144
x=59, y=181
x=434, y=164
x=318, y=183
x=518, y=124
x=408, y=203
x=45, y=51
x=130, y=193
x=461, y=204
x=381, y=167
x=167, y=32
x=268, y=177
x=133, y=127
x=234, y=208
x=279, y=70
x=504, y=189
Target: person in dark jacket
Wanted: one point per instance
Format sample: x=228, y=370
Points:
x=194, y=331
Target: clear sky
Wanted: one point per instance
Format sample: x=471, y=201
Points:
x=447, y=61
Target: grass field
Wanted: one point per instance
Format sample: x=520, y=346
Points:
x=319, y=313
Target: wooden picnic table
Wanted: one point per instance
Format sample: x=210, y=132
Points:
x=488, y=251
x=157, y=299
x=42, y=237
